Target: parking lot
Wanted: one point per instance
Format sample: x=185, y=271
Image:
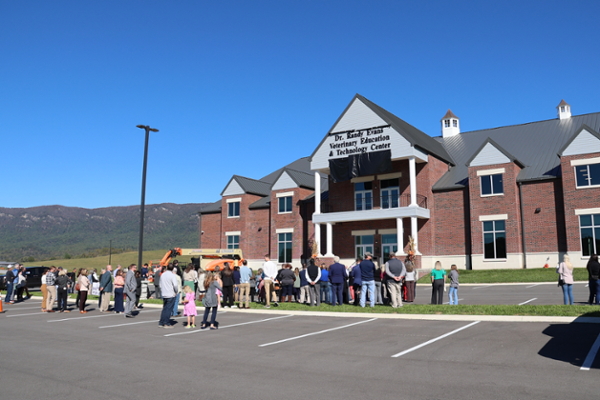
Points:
x=272, y=354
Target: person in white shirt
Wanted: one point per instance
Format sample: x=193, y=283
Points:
x=270, y=271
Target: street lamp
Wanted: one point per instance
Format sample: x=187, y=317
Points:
x=143, y=203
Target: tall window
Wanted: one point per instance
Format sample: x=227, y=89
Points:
x=233, y=241
x=284, y=246
x=494, y=240
x=491, y=185
x=587, y=175
x=233, y=209
x=590, y=234
x=389, y=244
x=363, y=244
x=285, y=204
x=390, y=193
x=363, y=196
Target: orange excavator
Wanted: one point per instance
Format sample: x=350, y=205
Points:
x=209, y=258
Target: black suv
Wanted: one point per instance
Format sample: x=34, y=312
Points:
x=33, y=274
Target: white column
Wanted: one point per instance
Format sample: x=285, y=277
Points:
x=318, y=239
x=414, y=232
x=317, y=193
x=412, y=168
x=329, y=244
x=400, y=235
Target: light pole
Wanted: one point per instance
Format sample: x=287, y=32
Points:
x=143, y=203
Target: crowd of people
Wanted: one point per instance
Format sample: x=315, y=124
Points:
x=362, y=283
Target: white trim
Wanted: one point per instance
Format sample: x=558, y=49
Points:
x=388, y=231
x=495, y=217
x=363, y=179
x=234, y=233
x=586, y=211
x=363, y=232
x=285, y=194
x=234, y=200
x=585, y=161
x=390, y=176
x=484, y=172
x=285, y=230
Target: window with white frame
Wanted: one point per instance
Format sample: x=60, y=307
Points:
x=390, y=193
x=363, y=244
x=285, y=204
x=389, y=244
x=233, y=241
x=363, y=196
x=491, y=185
x=494, y=240
x=233, y=209
x=589, y=226
x=284, y=247
x=587, y=175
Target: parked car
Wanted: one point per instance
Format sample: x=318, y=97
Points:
x=34, y=277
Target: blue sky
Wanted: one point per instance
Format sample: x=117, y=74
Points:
x=245, y=87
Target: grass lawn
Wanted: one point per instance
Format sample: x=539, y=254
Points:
x=124, y=259
x=545, y=310
x=512, y=275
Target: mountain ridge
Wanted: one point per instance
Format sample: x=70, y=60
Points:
x=55, y=231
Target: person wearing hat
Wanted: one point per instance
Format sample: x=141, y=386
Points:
x=367, y=275
x=395, y=271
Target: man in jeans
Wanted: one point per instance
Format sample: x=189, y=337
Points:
x=169, y=287
x=367, y=275
x=245, y=275
x=395, y=271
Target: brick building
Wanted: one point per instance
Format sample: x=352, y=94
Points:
x=510, y=197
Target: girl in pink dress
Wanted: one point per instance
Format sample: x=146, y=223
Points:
x=189, y=307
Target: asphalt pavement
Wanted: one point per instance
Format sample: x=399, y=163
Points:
x=273, y=354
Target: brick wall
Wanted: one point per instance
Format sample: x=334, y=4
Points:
x=451, y=223
x=576, y=199
x=211, y=225
x=294, y=220
x=508, y=203
x=545, y=230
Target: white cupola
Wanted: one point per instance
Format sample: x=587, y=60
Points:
x=564, y=110
x=450, y=125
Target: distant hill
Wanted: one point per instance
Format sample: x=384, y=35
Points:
x=47, y=232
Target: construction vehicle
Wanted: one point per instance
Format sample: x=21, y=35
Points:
x=208, y=259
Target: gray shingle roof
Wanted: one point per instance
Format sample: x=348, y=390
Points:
x=536, y=145
x=211, y=208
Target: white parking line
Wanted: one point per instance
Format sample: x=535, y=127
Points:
x=537, y=284
x=481, y=287
x=528, y=301
x=94, y=316
x=229, y=326
x=316, y=333
x=434, y=340
x=135, y=323
x=589, y=360
x=449, y=302
x=25, y=315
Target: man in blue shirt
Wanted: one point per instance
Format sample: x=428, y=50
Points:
x=245, y=275
x=337, y=277
x=325, y=285
x=367, y=274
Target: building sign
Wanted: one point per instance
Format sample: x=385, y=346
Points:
x=343, y=144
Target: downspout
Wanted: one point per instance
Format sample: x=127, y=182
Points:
x=522, y=225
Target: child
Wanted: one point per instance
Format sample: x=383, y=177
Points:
x=453, y=292
x=189, y=306
x=210, y=301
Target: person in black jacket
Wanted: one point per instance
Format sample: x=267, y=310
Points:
x=227, y=278
x=593, y=267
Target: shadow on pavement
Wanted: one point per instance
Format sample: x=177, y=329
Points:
x=572, y=342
